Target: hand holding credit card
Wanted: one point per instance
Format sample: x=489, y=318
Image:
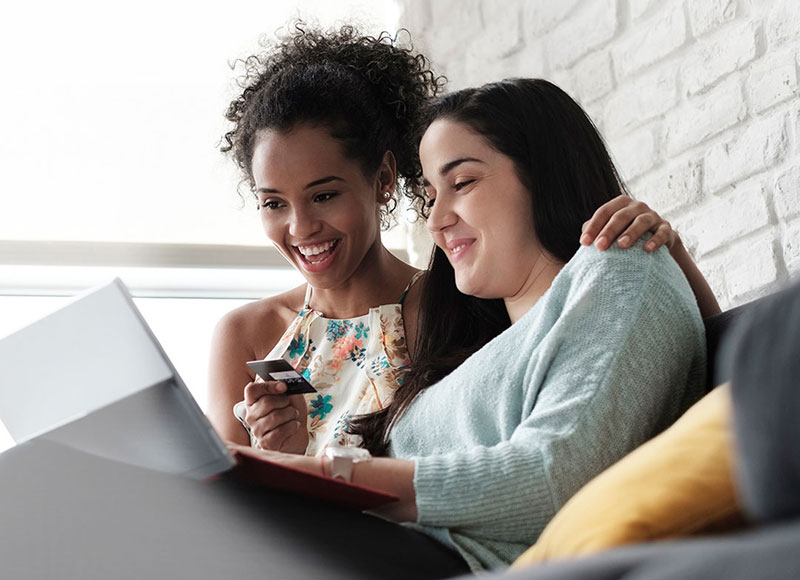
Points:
x=281, y=370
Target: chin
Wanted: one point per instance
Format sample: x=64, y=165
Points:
x=468, y=287
x=474, y=288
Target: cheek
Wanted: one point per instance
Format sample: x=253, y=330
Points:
x=272, y=229
x=513, y=244
x=359, y=221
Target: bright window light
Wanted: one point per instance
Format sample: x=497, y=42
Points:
x=111, y=115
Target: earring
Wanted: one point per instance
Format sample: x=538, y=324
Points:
x=386, y=195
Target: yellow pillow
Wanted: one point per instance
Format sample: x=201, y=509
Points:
x=678, y=484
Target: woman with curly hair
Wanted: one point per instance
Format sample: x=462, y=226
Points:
x=325, y=134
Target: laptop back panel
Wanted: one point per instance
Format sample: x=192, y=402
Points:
x=92, y=353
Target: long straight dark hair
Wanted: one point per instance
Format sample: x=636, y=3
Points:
x=563, y=162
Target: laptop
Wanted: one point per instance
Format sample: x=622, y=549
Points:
x=93, y=376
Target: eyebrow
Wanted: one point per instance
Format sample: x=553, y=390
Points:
x=450, y=165
x=314, y=183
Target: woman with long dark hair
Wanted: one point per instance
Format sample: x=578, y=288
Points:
x=587, y=353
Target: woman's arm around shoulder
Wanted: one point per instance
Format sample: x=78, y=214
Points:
x=626, y=220
x=246, y=333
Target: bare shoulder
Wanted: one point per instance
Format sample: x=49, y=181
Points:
x=259, y=324
x=246, y=333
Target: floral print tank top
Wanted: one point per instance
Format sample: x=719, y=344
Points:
x=355, y=364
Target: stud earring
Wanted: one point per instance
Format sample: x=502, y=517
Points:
x=386, y=195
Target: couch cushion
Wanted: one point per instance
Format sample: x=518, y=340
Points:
x=763, y=357
x=677, y=484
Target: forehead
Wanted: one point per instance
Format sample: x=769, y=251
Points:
x=299, y=151
x=446, y=140
x=448, y=144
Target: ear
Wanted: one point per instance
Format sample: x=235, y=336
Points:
x=387, y=178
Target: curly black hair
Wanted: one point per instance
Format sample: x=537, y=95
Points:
x=369, y=91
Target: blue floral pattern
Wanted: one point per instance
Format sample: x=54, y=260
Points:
x=354, y=364
x=320, y=407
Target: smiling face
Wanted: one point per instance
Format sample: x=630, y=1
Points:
x=316, y=205
x=481, y=215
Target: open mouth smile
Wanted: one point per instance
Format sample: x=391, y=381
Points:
x=317, y=256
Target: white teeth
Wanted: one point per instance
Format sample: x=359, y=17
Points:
x=458, y=248
x=316, y=249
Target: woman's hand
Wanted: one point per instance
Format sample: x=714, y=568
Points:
x=276, y=420
x=626, y=220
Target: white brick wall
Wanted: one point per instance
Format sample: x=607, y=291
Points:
x=698, y=100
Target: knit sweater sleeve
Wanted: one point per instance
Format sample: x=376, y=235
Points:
x=612, y=369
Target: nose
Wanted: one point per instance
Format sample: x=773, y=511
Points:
x=442, y=215
x=303, y=222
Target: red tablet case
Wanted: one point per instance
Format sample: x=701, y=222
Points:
x=254, y=469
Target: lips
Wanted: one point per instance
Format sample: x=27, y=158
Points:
x=458, y=247
x=317, y=256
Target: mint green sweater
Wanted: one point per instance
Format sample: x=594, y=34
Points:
x=607, y=358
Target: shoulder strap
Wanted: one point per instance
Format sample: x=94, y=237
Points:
x=307, y=299
x=414, y=278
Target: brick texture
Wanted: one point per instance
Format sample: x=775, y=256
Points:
x=791, y=246
x=711, y=59
x=651, y=41
x=705, y=116
x=773, y=80
x=787, y=193
x=591, y=26
x=708, y=15
x=727, y=218
x=759, y=146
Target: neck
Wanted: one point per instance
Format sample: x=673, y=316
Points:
x=544, y=270
x=379, y=279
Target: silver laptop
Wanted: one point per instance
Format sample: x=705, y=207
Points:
x=93, y=376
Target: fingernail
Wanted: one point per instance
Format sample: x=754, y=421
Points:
x=623, y=241
x=649, y=246
x=586, y=239
x=601, y=243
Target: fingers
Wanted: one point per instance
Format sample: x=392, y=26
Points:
x=663, y=236
x=277, y=438
x=256, y=390
x=637, y=226
x=275, y=419
x=628, y=225
x=594, y=225
x=265, y=405
x=625, y=221
x=263, y=424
